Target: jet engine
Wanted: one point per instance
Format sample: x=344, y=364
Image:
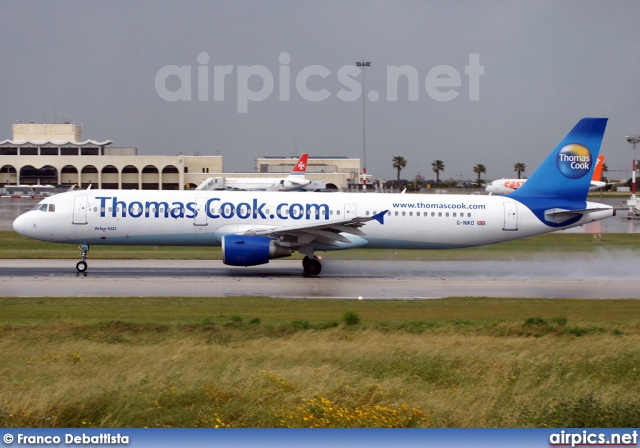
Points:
x=241, y=250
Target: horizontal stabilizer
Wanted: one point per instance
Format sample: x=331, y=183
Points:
x=560, y=215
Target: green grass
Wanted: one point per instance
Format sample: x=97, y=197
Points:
x=13, y=245
x=260, y=362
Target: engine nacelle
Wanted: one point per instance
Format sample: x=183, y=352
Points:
x=241, y=250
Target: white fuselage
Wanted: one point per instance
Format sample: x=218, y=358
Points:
x=250, y=183
x=202, y=218
x=506, y=186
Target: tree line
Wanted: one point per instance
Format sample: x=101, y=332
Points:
x=399, y=163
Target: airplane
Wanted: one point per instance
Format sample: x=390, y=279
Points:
x=505, y=186
x=294, y=181
x=255, y=227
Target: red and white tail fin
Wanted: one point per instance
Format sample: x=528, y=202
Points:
x=296, y=180
x=301, y=165
x=597, y=172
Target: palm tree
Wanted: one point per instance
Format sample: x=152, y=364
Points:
x=479, y=169
x=519, y=168
x=437, y=165
x=605, y=168
x=398, y=163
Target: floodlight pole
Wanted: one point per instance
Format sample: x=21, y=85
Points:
x=633, y=139
x=364, y=64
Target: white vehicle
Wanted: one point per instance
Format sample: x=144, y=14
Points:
x=30, y=191
x=505, y=186
x=255, y=227
x=294, y=181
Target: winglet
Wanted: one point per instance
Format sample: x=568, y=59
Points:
x=380, y=216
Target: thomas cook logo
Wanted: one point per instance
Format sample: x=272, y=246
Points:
x=574, y=161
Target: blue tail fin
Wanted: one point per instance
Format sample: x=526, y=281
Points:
x=566, y=173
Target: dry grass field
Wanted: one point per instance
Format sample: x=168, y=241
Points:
x=258, y=362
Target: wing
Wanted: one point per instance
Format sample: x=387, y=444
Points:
x=329, y=233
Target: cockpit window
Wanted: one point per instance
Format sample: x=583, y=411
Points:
x=45, y=207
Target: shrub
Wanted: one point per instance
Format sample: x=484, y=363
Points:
x=351, y=318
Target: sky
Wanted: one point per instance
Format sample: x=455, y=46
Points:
x=490, y=82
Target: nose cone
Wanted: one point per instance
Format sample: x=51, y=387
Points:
x=20, y=224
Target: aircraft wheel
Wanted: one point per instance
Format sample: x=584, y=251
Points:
x=81, y=266
x=311, y=266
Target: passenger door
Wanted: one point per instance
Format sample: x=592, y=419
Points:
x=510, y=216
x=80, y=209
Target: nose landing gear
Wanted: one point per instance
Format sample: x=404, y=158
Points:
x=81, y=266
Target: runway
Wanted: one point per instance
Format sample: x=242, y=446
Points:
x=609, y=275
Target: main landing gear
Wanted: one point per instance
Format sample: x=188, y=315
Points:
x=310, y=263
x=82, y=265
x=312, y=266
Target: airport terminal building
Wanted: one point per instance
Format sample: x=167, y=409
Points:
x=55, y=154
